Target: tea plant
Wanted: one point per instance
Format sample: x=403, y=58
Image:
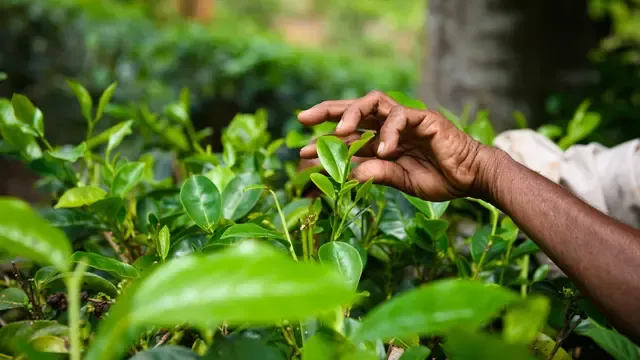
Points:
x=167, y=250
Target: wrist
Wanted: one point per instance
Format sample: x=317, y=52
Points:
x=493, y=167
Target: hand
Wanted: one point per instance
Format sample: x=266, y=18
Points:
x=417, y=151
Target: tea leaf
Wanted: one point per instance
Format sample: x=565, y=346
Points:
x=550, y=130
x=611, y=341
x=524, y=319
x=544, y=345
x=434, y=308
x=201, y=290
x=481, y=129
x=293, y=213
x=69, y=154
x=541, y=273
x=251, y=231
x=86, y=103
x=202, y=201
x=120, y=128
x=166, y=352
x=333, y=156
x=463, y=344
x=12, y=298
x=405, y=100
x=3, y=76
x=528, y=247
x=324, y=184
x=50, y=344
x=364, y=190
x=115, y=137
x=17, y=134
x=346, y=188
x=416, y=353
x=80, y=196
x=238, y=202
x=359, y=144
x=90, y=281
x=108, y=207
x=104, y=100
x=114, y=267
x=24, y=233
x=331, y=345
x=17, y=333
x=26, y=112
x=479, y=242
x=345, y=258
x=126, y=178
x=433, y=210
x=164, y=242
x=220, y=176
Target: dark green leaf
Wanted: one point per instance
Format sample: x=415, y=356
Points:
x=12, y=335
x=526, y=248
x=434, y=308
x=345, y=258
x=405, y=100
x=166, y=352
x=238, y=202
x=72, y=218
x=202, y=201
x=12, y=298
x=24, y=233
x=359, y=144
x=80, y=196
x=246, y=132
x=611, y=341
x=104, y=100
x=520, y=119
x=108, y=207
x=463, y=344
x=69, y=154
x=251, y=231
x=436, y=231
x=164, y=242
x=202, y=290
x=113, y=267
x=86, y=103
x=243, y=348
x=90, y=281
x=44, y=275
x=126, y=178
x=324, y=184
x=416, y=353
x=333, y=156
x=331, y=345
x=480, y=242
x=28, y=114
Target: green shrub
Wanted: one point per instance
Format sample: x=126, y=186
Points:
x=169, y=250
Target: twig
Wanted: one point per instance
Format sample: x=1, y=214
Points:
x=2, y=322
x=109, y=237
x=566, y=330
x=27, y=290
x=163, y=340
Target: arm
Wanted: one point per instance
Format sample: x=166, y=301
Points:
x=601, y=255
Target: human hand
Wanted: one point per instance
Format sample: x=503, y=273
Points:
x=416, y=151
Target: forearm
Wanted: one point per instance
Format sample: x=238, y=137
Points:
x=600, y=254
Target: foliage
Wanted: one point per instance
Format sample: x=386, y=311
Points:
x=222, y=258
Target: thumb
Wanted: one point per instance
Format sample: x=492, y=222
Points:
x=383, y=172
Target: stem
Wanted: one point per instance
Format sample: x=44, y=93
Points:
x=73, y=296
x=565, y=332
x=109, y=237
x=305, y=246
x=494, y=226
x=506, y=261
x=343, y=220
x=524, y=272
x=284, y=225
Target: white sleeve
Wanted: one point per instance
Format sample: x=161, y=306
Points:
x=606, y=178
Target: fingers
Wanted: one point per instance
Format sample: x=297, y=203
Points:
x=311, y=151
x=390, y=132
x=325, y=111
x=375, y=103
x=383, y=173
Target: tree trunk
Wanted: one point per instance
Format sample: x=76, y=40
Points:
x=201, y=10
x=505, y=55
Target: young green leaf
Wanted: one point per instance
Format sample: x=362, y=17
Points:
x=104, y=100
x=326, y=344
x=116, y=137
x=89, y=280
x=545, y=345
x=251, y=231
x=27, y=113
x=479, y=242
x=525, y=318
x=14, y=334
x=50, y=344
x=434, y=308
x=364, y=190
x=164, y=242
x=433, y=210
x=126, y=178
x=404, y=100
x=114, y=267
x=359, y=144
x=12, y=298
x=199, y=290
x=112, y=134
x=324, y=184
x=481, y=129
x=550, y=130
x=345, y=258
x=80, y=196
x=16, y=134
x=220, y=176
x=346, y=188
x=520, y=119
x=3, y=76
x=202, y=201
x=528, y=247
x=541, y=273
x=84, y=99
x=333, y=156
x=238, y=202
x=25, y=233
x=464, y=344
x=68, y=153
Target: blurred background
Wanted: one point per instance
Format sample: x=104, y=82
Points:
x=518, y=60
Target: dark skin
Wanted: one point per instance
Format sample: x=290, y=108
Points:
x=423, y=154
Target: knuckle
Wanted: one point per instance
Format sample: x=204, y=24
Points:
x=376, y=94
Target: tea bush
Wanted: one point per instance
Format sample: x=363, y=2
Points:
x=169, y=250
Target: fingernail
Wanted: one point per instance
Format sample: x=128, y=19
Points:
x=339, y=125
x=305, y=148
x=381, y=147
x=303, y=112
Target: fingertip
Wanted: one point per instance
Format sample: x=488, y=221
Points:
x=308, y=151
